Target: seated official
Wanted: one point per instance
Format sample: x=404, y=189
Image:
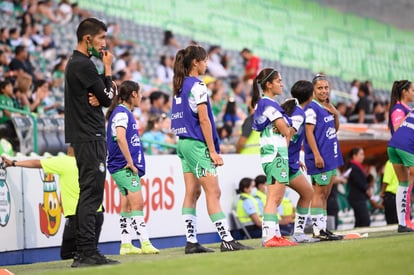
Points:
x=249, y=208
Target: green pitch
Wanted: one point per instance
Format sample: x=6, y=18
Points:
x=381, y=253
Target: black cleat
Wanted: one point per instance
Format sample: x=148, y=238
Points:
x=233, y=246
x=96, y=258
x=326, y=235
x=191, y=248
x=402, y=229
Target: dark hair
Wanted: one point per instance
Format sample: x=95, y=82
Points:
x=260, y=179
x=364, y=88
x=152, y=119
x=4, y=83
x=91, y=26
x=354, y=151
x=396, y=93
x=167, y=36
x=265, y=75
x=302, y=90
x=155, y=95
x=124, y=94
x=244, y=183
x=38, y=83
x=318, y=77
x=183, y=63
x=19, y=49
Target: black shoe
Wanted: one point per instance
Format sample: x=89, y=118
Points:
x=402, y=229
x=326, y=235
x=232, y=246
x=96, y=258
x=191, y=248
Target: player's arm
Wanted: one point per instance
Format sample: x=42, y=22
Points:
x=29, y=163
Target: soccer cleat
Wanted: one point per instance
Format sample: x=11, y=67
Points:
x=191, y=248
x=277, y=242
x=147, y=248
x=93, y=259
x=303, y=238
x=233, y=245
x=326, y=235
x=129, y=249
x=402, y=229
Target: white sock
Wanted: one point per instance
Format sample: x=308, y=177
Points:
x=123, y=225
x=300, y=222
x=140, y=227
x=190, y=223
x=223, y=230
x=317, y=223
x=268, y=230
x=401, y=202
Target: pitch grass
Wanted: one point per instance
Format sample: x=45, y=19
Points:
x=381, y=253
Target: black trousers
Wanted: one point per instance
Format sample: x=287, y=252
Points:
x=361, y=212
x=91, y=162
x=390, y=209
x=68, y=248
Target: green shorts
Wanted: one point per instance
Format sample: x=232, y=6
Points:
x=126, y=181
x=278, y=169
x=323, y=178
x=195, y=158
x=294, y=175
x=398, y=156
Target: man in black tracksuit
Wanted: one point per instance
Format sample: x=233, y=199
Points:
x=85, y=93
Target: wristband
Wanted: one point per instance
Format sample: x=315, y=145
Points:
x=13, y=163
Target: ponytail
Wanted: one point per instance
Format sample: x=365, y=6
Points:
x=179, y=71
x=265, y=75
x=396, y=94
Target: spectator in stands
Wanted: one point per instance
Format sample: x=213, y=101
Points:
x=198, y=148
x=218, y=101
x=14, y=38
x=249, y=140
x=48, y=104
x=363, y=109
x=322, y=153
x=268, y=116
x=230, y=116
x=64, y=12
x=359, y=191
x=165, y=71
x=46, y=11
x=20, y=63
x=58, y=73
x=126, y=163
x=5, y=71
x=85, y=94
x=142, y=113
x=251, y=64
x=157, y=101
x=249, y=208
x=214, y=65
x=7, y=129
x=301, y=92
x=401, y=154
x=402, y=94
x=154, y=132
x=4, y=38
x=80, y=13
x=226, y=140
x=170, y=44
x=342, y=112
x=388, y=191
x=121, y=63
x=354, y=91
x=45, y=41
x=380, y=112
x=115, y=41
x=65, y=167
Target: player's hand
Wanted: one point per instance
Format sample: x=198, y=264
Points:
x=319, y=163
x=93, y=101
x=216, y=159
x=107, y=58
x=132, y=168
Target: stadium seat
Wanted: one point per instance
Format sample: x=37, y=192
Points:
x=25, y=133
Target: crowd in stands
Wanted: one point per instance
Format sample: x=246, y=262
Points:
x=33, y=40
